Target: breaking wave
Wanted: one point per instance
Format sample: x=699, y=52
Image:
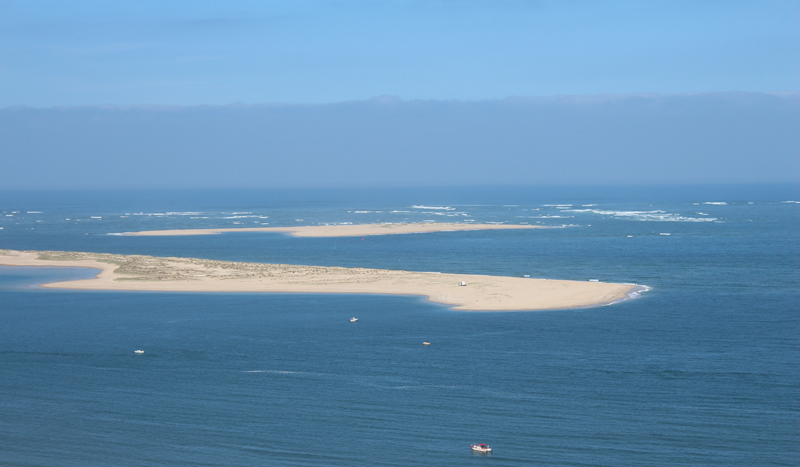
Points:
x=652, y=216
x=435, y=208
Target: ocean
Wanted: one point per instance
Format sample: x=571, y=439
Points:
x=703, y=369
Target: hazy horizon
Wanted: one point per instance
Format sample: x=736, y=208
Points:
x=397, y=93
x=610, y=139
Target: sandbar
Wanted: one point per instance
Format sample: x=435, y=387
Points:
x=485, y=293
x=342, y=230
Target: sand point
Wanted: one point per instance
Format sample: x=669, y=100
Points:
x=348, y=230
x=489, y=293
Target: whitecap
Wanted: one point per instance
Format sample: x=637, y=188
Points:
x=279, y=372
x=162, y=214
x=718, y=203
x=440, y=208
x=657, y=215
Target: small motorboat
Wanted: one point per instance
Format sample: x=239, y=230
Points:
x=481, y=448
x=138, y=352
x=426, y=343
x=353, y=320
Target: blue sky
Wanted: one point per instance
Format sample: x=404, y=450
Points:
x=192, y=94
x=57, y=53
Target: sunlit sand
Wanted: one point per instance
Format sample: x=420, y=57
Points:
x=350, y=230
x=148, y=273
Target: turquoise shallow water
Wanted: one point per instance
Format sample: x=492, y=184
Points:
x=702, y=370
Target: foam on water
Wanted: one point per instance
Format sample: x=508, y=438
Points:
x=163, y=214
x=653, y=216
x=280, y=379
x=435, y=208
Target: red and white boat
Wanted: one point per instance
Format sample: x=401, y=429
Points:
x=481, y=448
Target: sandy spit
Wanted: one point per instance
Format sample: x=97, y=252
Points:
x=354, y=230
x=486, y=293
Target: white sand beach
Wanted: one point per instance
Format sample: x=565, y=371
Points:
x=349, y=230
x=487, y=293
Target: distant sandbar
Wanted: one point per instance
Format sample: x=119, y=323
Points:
x=489, y=293
x=348, y=230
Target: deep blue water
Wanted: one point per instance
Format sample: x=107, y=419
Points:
x=704, y=369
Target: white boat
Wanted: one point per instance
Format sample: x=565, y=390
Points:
x=353, y=320
x=481, y=448
x=138, y=351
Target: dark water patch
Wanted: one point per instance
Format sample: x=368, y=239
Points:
x=24, y=277
x=702, y=371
